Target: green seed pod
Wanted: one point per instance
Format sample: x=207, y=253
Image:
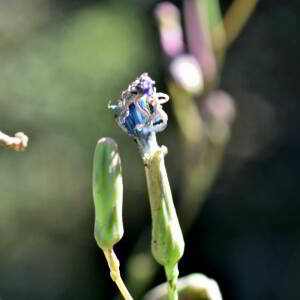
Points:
x=167, y=238
x=108, y=194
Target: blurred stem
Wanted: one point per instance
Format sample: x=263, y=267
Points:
x=19, y=142
x=114, y=266
x=191, y=124
x=217, y=30
x=186, y=113
x=199, y=175
x=236, y=17
x=141, y=267
x=199, y=39
x=202, y=153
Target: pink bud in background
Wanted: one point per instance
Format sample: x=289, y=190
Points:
x=171, y=35
x=199, y=38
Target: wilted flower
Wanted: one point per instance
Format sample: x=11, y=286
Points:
x=139, y=111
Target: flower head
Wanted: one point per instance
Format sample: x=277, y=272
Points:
x=143, y=85
x=139, y=111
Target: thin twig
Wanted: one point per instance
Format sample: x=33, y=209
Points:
x=114, y=266
x=19, y=142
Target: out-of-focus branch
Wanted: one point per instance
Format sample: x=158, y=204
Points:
x=236, y=18
x=19, y=142
x=203, y=157
x=199, y=40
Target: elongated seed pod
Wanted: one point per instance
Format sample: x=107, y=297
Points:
x=167, y=238
x=108, y=194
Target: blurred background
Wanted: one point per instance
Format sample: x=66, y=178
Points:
x=60, y=64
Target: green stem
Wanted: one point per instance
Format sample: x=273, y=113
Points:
x=167, y=240
x=172, y=274
x=114, y=266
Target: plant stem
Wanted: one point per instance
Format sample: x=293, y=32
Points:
x=167, y=240
x=236, y=17
x=172, y=274
x=114, y=266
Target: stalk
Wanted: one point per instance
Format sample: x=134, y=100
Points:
x=167, y=243
x=108, y=201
